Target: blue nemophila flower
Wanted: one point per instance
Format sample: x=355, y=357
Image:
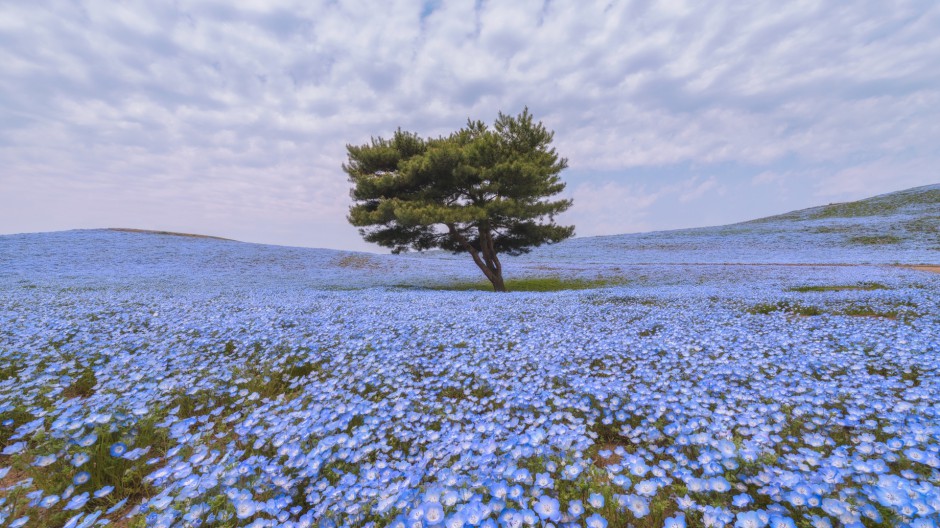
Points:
x=118, y=449
x=77, y=502
x=596, y=500
x=544, y=480
x=510, y=518
x=79, y=459
x=49, y=501
x=449, y=497
x=781, y=521
x=743, y=499
x=714, y=517
x=81, y=477
x=103, y=492
x=595, y=521
x=547, y=508
x=117, y=506
x=161, y=501
x=528, y=517
x=647, y=488
x=455, y=520
x=677, y=521
x=87, y=440
x=244, y=507
x=637, y=505
x=575, y=508
x=516, y=493
x=499, y=489
x=20, y=522
x=684, y=503
x=433, y=512
x=44, y=460
x=750, y=519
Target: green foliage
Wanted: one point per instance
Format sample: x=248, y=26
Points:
x=479, y=190
x=875, y=240
x=83, y=386
x=878, y=205
x=924, y=225
x=851, y=310
x=867, y=286
x=798, y=309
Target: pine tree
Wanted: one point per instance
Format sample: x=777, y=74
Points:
x=481, y=191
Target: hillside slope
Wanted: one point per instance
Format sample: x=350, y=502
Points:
x=896, y=228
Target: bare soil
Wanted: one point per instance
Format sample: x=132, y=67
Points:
x=170, y=233
x=932, y=269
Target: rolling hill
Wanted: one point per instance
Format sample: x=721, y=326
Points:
x=897, y=228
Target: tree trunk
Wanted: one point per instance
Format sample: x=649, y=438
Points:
x=489, y=264
x=498, y=284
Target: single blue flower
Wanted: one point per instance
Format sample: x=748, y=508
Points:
x=118, y=449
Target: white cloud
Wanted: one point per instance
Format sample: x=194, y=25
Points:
x=609, y=208
x=878, y=177
x=242, y=111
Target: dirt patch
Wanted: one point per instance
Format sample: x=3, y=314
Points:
x=358, y=262
x=932, y=269
x=603, y=462
x=170, y=233
x=119, y=519
x=15, y=476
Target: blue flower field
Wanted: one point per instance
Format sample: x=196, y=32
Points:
x=783, y=372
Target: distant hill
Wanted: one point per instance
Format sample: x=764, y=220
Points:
x=923, y=203
x=896, y=228
x=901, y=227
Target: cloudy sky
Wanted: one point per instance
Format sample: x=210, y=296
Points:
x=232, y=121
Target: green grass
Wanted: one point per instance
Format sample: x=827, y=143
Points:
x=867, y=286
x=875, y=240
x=783, y=306
x=878, y=205
x=808, y=311
x=924, y=225
x=536, y=284
x=127, y=476
x=865, y=311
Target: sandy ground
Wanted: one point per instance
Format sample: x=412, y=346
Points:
x=932, y=269
x=171, y=233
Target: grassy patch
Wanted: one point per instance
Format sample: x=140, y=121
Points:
x=10, y=368
x=879, y=205
x=808, y=310
x=866, y=311
x=875, y=240
x=127, y=476
x=782, y=306
x=868, y=286
x=626, y=300
x=538, y=284
x=83, y=386
x=925, y=225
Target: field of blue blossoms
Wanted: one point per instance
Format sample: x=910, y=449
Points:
x=153, y=380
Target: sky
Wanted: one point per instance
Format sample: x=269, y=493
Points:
x=231, y=118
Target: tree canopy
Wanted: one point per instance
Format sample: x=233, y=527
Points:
x=480, y=190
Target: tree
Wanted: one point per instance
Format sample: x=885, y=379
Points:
x=479, y=190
